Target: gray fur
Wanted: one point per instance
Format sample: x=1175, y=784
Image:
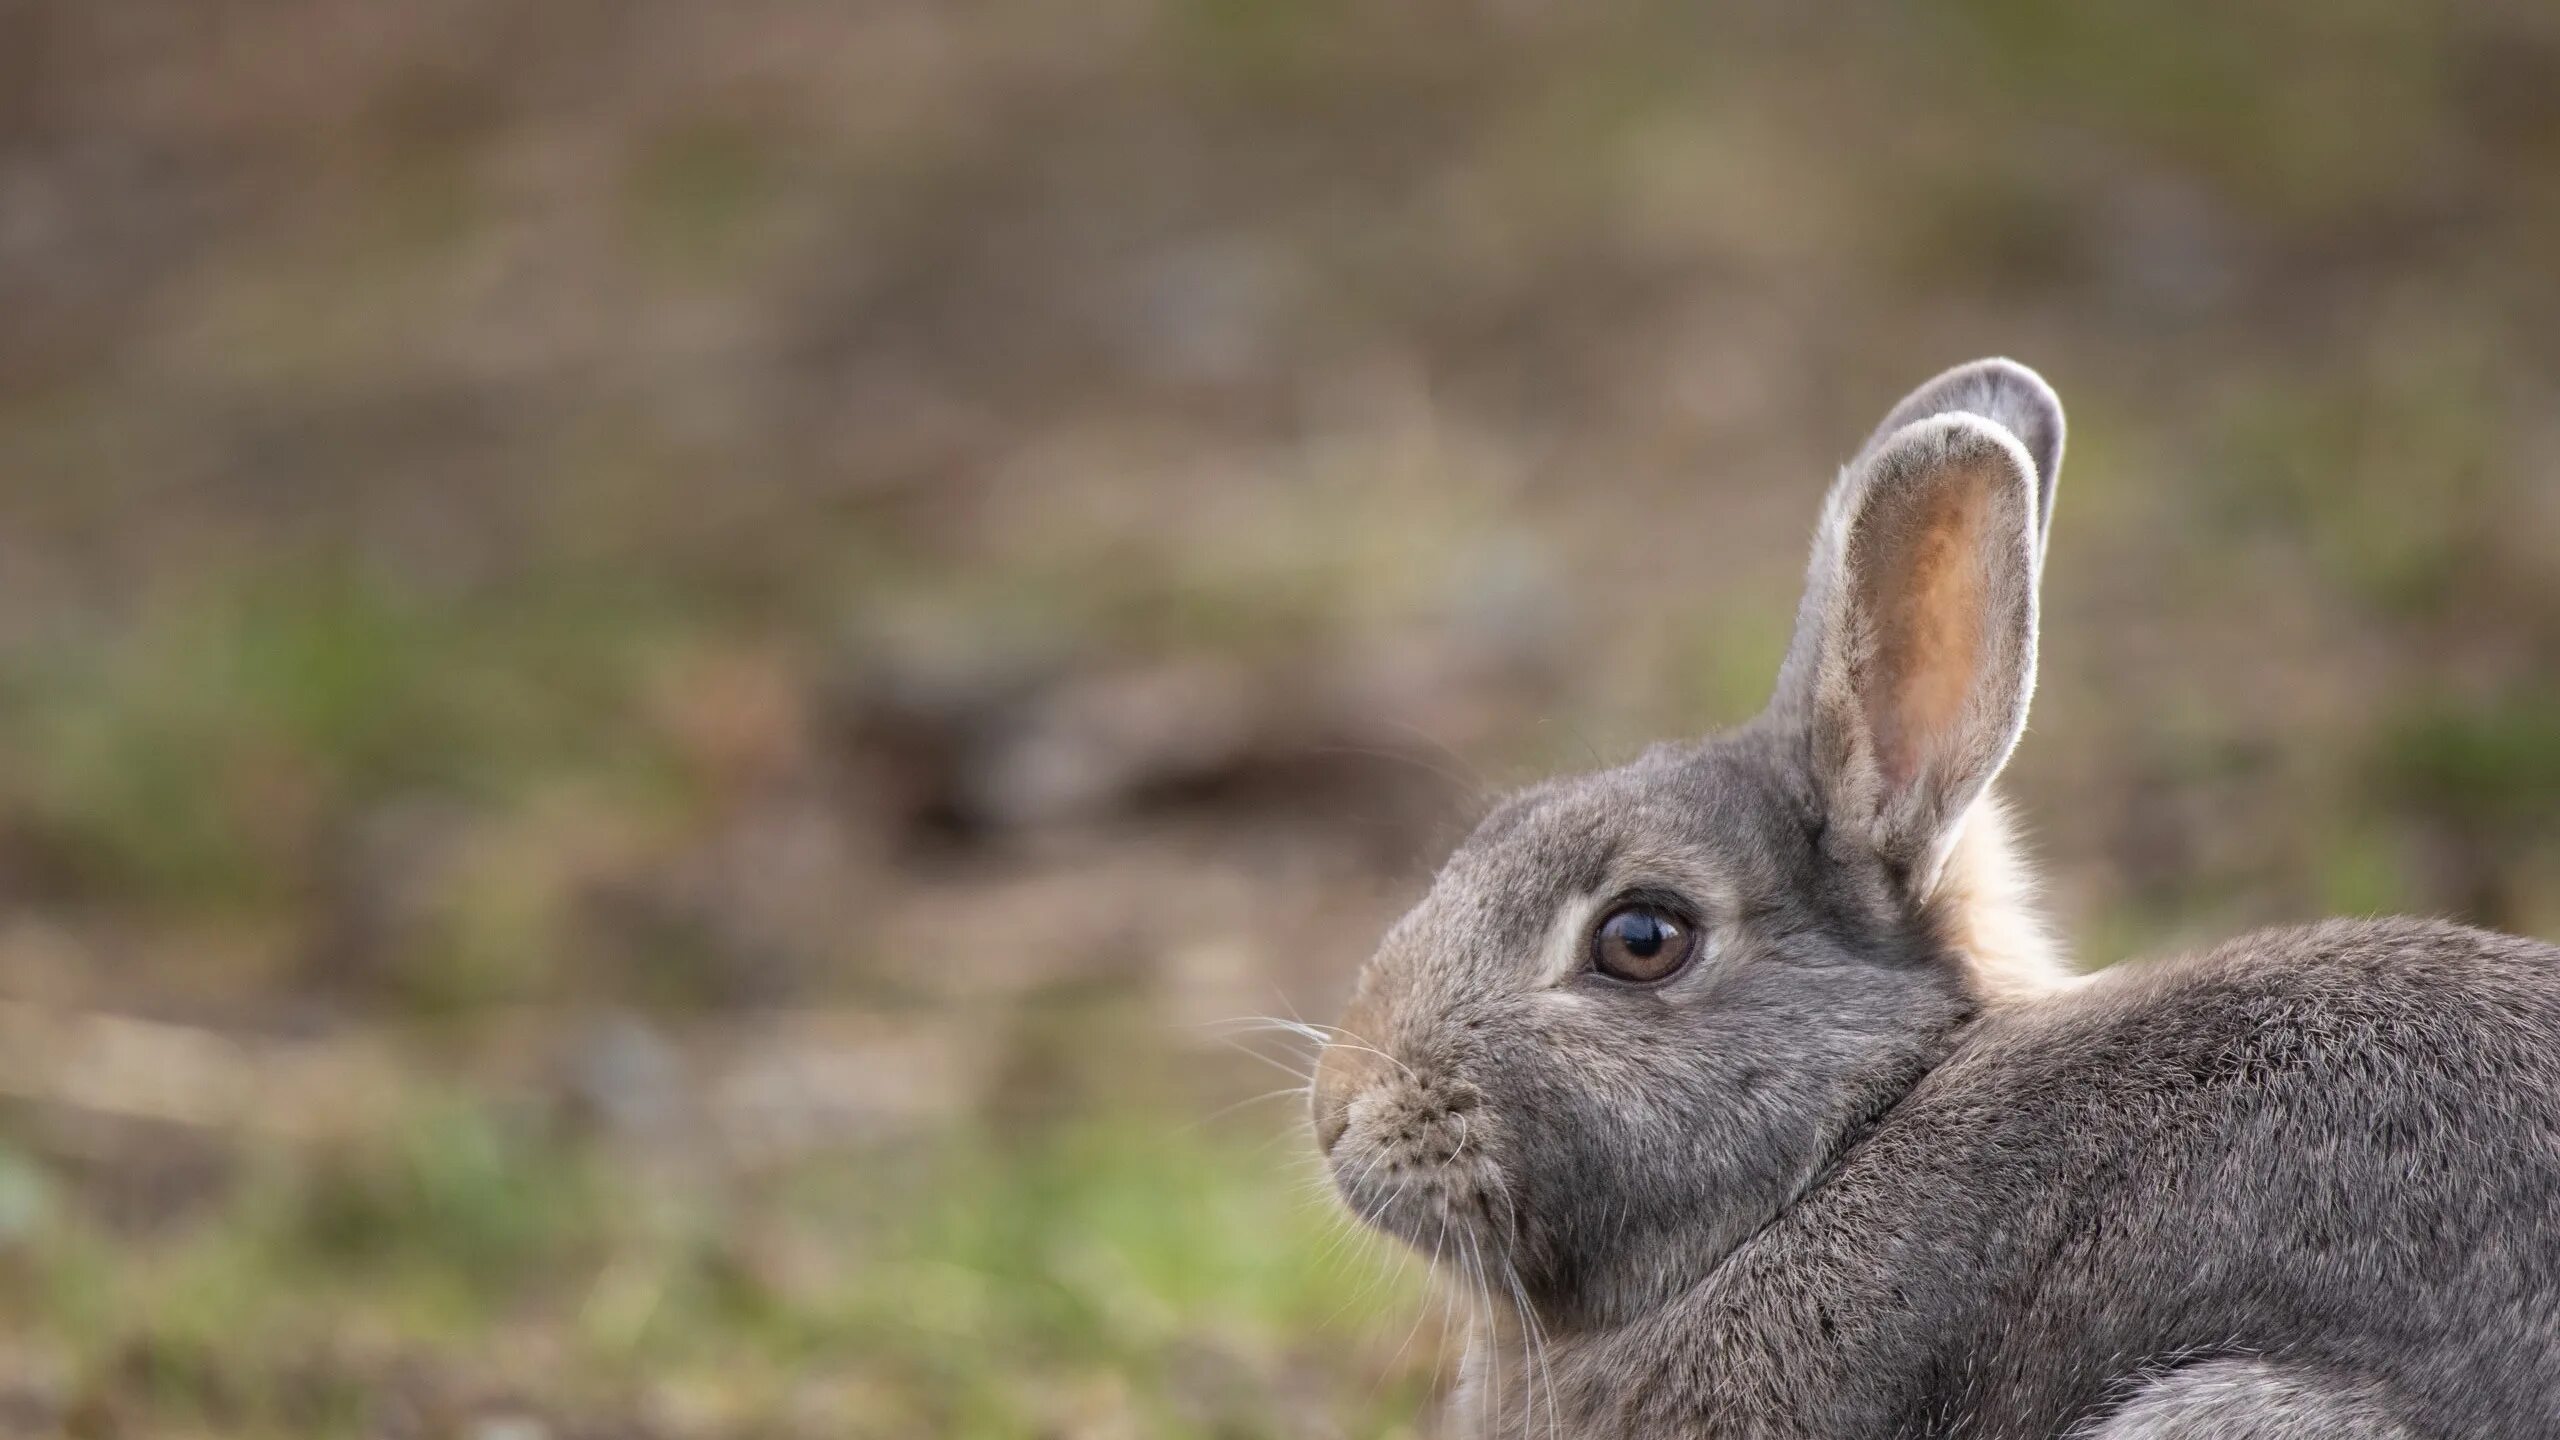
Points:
x=1830, y=1182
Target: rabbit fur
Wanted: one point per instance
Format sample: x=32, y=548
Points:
x=1875, y=1163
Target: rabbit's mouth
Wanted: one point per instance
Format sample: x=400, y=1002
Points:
x=1415, y=1159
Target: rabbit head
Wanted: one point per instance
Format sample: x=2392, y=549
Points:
x=1640, y=1009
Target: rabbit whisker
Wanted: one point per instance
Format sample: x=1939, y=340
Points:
x=1223, y=1111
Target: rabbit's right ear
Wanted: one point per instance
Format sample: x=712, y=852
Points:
x=1914, y=654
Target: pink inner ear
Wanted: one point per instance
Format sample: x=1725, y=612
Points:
x=1922, y=582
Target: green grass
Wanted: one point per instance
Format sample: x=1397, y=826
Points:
x=187, y=757
x=1121, y=1269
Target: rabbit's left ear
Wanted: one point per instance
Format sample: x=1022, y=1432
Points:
x=1915, y=648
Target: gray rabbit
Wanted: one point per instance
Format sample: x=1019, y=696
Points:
x=1744, y=1095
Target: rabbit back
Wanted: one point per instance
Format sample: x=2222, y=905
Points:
x=2334, y=1148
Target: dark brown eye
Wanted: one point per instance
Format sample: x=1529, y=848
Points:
x=1640, y=943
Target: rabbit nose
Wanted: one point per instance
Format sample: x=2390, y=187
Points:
x=1342, y=1073
x=1333, y=1116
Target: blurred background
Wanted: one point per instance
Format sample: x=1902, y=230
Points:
x=666, y=670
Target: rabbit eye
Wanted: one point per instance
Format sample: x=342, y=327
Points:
x=1640, y=943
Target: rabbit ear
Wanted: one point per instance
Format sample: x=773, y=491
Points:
x=1915, y=648
x=2003, y=391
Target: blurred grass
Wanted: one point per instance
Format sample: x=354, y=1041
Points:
x=176, y=762
x=1131, y=1270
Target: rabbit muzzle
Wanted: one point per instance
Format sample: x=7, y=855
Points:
x=1411, y=1152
